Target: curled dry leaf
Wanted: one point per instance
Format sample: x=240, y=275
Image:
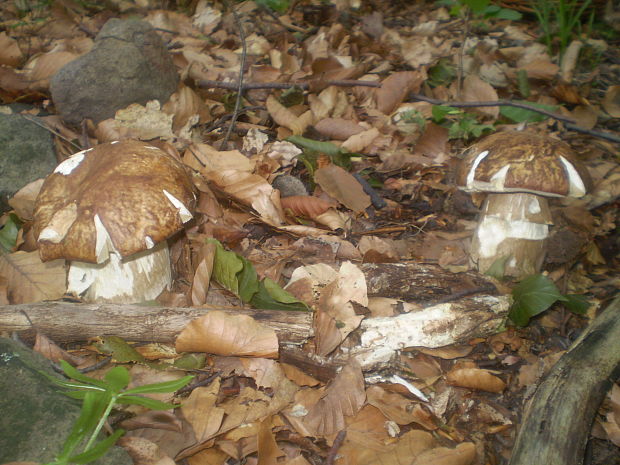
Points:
x=41, y=68
x=305, y=206
x=475, y=378
x=223, y=334
x=343, y=397
x=358, y=142
x=202, y=276
x=342, y=186
x=338, y=128
x=285, y=117
x=23, y=200
x=395, y=87
x=611, y=101
x=201, y=411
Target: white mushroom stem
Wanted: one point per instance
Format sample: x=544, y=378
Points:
x=137, y=278
x=515, y=227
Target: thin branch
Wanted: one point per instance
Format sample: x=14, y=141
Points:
x=50, y=129
x=492, y=103
x=333, y=452
x=244, y=52
x=284, y=85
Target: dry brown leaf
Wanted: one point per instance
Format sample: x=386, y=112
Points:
x=211, y=456
x=30, y=280
x=305, y=206
x=268, y=450
x=463, y=454
x=10, y=53
x=358, y=142
x=285, y=117
x=611, y=101
x=12, y=81
x=433, y=143
x=338, y=128
x=541, y=68
x=377, y=250
x=475, y=378
x=184, y=104
x=202, y=276
x=395, y=88
x=51, y=351
x=476, y=90
x=298, y=376
x=326, y=334
x=144, y=452
x=200, y=411
x=223, y=334
x=398, y=408
x=23, y=200
x=342, y=186
x=586, y=116
x=343, y=397
x=41, y=68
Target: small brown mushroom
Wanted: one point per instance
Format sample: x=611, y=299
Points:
x=519, y=170
x=109, y=210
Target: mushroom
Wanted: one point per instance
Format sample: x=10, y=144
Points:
x=109, y=210
x=520, y=170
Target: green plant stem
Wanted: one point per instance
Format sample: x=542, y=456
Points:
x=101, y=422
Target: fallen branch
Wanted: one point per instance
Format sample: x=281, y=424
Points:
x=283, y=85
x=558, y=419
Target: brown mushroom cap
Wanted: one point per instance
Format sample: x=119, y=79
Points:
x=140, y=194
x=515, y=161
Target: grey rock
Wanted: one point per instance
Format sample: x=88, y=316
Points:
x=36, y=418
x=26, y=154
x=128, y=63
x=289, y=185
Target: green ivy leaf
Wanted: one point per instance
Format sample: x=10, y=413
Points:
x=532, y=296
x=270, y=296
x=577, y=303
x=324, y=147
x=248, y=281
x=226, y=266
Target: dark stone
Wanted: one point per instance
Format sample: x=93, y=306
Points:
x=129, y=63
x=26, y=154
x=36, y=418
x=289, y=186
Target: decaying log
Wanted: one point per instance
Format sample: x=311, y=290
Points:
x=433, y=323
x=66, y=322
x=557, y=421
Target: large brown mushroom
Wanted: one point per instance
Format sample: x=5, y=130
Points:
x=519, y=170
x=109, y=210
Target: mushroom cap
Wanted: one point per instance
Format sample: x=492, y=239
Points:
x=123, y=196
x=515, y=161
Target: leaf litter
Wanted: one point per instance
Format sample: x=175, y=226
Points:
x=262, y=410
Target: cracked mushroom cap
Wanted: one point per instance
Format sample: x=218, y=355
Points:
x=123, y=196
x=515, y=161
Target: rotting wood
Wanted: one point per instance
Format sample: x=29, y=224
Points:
x=442, y=315
x=558, y=419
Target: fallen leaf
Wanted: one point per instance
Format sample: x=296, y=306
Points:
x=341, y=185
x=223, y=334
x=30, y=280
x=475, y=378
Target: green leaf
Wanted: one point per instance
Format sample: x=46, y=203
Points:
x=98, y=450
x=248, y=281
x=521, y=115
x=577, y=303
x=270, y=298
x=153, y=404
x=532, y=296
x=276, y=5
x=93, y=406
x=226, y=266
x=9, y=232
x=441, y=111
x=506, y=13
x=159, y=388
x=324, y=147
x=476, y=6
x=75, y=374
x=117, y=378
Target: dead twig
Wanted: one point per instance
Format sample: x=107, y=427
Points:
x=244, y=52
x=333, y=452
x=283, y=85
